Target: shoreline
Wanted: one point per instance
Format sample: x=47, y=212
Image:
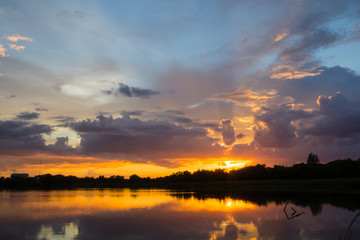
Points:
x=343, y=186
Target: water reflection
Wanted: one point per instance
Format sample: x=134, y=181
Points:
x=68, y=232
x=351, y=227
x=232, y=230
x=162, y=214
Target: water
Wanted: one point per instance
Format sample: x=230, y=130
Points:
x=164, y=214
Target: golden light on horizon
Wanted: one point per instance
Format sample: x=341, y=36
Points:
x=86, y=166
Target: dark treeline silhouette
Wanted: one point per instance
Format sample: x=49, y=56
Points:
x=313, y=169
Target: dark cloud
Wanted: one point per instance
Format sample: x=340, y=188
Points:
x=28, y=115
x=181, y=119
x=240, y=135
x=129, y=91
x=11, y=96
x=132, y=113
x=42, y=109
x=62, y=141
x=176, y=112
x=18, y=136
x=61, y=146
x=331, y=80
x=302, y=51
x=143, y=138
x=63, y=119
x=340, y=118
x=279, y=130
x=227, y=131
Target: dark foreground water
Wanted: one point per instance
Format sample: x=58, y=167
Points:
x=162, y=214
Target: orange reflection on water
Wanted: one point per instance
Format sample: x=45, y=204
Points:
x=212, y=204
x=40, y=204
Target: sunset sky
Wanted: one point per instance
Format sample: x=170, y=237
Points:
x=154, y=87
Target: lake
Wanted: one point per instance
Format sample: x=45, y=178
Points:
x=165, y=214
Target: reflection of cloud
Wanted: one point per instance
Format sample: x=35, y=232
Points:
x=232, y=230
x=69, y=231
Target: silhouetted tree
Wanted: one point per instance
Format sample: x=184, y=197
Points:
x=313, y=159
x=135, y=178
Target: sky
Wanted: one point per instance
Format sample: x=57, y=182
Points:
x=152, y=87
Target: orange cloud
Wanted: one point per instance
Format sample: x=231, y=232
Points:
x=16, y=47
x=2, y=51
x=281, y=35
x=17, y=37
x=246, y=95
x=291, y=72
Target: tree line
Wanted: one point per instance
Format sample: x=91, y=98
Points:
x=312, y=169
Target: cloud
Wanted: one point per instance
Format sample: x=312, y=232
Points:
x=17, y=137
x=331, y=80
x=240, y=135
x=281, y=35
x=61, y=146
x=28, y=115
x=11, y=96
x=132, y=113
x=339, y=118
x=129, y=91
x=181, y=119
x=132, y=136
x=16, y=47
x=254, y=100
x=17, y=37
x=301, y=51
x=176, y=112
x=42, y=109
x=3, y=51
x=246, y=95
x=276, y=127
x=63, y=119
x=291, y=72
x=227, y=132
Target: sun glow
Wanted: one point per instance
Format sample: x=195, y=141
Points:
x=82, y=166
